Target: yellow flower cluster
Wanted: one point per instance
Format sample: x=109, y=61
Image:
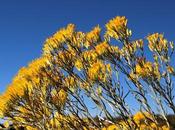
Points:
x=56, y=122
x=102, y=48
x=65, y=58
x=58, y=39
x=157, y=42
x=142, y=121
x=92, y=37
x=148, y=69
x=145, y=120
x=99, y=71
x=27, y=77
x=79, y=64
x=117, y=28
x=145, y=70
x=77, y=39
x=70, y=82
x=139, y=117
x=90, y=55
x=59, y=96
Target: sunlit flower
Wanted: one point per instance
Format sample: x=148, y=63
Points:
x=92, y=36
x=147, y=69
x=140, y=117
x=59, y=96
x=157, y=42
x=99, y=71
x=58, y=39
x=102, y=48
x=90, y=55
x=78, y=64
x=117, y=28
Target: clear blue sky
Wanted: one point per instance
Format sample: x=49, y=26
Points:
x=25, y=24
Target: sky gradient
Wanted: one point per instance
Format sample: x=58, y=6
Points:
x=25, y=24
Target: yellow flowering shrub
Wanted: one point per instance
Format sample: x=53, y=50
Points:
x=79, y=72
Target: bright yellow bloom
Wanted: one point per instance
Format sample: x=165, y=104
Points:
x=147, y=69
x=90, y=55
x=102, y=48
x=165, y=128
x=117, y=28
x=112, y=127
x=23, y=110
x=27, y=78
x=58, y=39
x=70, y=82
x=144, y=70
x=77, y=39
x=79, y=64
x=92, y=36
x=157, y=42
x=65, y=58
x=99, y=71
x=139, y=117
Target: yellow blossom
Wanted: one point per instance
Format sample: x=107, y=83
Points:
x=77, y=39
x=70, y=81
x=139, y=43
x=79, y=64
x=59, y=96
x=117, y=28
x=147, y=69
x=157, y=42
x=99, y=71
x=65, y=58
x=58, y=39
x=90, y=55
x=102, y=48
x=140, y=117
x=112, y=127
x=92, y=36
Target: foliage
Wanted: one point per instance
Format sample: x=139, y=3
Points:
x=80, y=72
